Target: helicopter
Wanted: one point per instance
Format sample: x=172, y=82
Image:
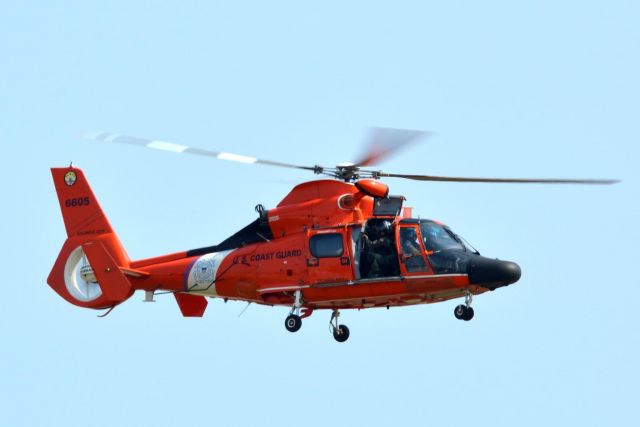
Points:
x=338, y=243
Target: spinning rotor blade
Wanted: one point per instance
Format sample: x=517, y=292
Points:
x=383, y=142
x=499, y=180
x=178, y=148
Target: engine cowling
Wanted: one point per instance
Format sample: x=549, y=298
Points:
x=373, y=188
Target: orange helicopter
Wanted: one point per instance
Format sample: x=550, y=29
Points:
x=334, y=244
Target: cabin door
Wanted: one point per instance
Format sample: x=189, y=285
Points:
x=412, y=256
x=328, y=258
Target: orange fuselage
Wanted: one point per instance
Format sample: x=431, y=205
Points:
x=312, y=244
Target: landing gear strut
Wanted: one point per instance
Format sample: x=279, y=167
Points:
x=293, y=322
x=340, y=332
x=465, y=311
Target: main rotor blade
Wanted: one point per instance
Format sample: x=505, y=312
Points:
x=178, y=148
x=383, y=142
x=499, y=180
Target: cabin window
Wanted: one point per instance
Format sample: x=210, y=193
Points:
x=326, y=245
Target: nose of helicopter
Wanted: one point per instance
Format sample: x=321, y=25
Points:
x=493, y=273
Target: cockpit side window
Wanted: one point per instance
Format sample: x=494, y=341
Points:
x=412, y=254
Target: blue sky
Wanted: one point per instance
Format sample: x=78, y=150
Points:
x=532, y=89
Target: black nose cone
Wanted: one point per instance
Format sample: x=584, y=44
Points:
x=493, y=273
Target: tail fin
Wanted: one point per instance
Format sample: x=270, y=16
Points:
x=87, y=271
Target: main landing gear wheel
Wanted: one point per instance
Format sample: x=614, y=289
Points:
x=464, y=311
x=340, y=332
x=293, y=323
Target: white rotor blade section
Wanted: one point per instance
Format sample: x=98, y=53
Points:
x=167, y=146
x=179, y=148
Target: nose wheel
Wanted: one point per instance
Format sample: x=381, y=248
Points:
x=340, y=332
x=465, y=311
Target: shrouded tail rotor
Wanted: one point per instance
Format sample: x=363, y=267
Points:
x=79, y=278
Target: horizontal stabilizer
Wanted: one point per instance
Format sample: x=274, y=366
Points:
x=131, y=272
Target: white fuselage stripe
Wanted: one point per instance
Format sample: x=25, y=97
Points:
x=356, y=282
x=283, y=289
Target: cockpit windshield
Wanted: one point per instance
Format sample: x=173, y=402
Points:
x=438, y=237
x=467, y=245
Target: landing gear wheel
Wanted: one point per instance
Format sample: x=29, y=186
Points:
x=461, y=312
x=469, y=314
x=341, y=333
x=293, y=323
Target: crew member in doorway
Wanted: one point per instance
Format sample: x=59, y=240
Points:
x=379, y=248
